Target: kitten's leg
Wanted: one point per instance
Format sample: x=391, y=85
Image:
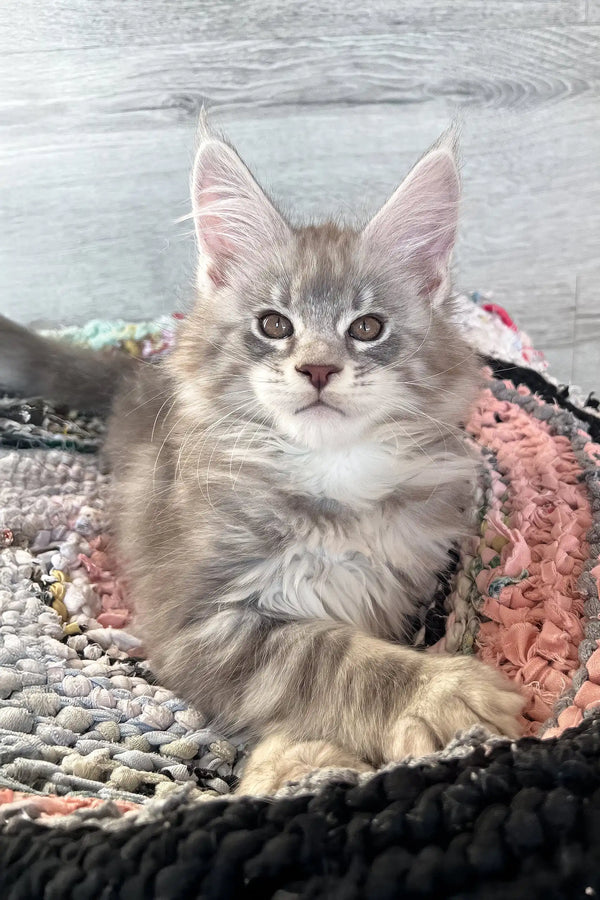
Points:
x=452, y=694
x=277, y=760
x=320, y=680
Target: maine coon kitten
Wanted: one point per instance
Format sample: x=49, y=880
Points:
x=290, y=479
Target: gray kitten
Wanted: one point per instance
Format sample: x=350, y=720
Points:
x=290, y=479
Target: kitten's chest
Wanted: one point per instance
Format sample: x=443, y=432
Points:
x=359, y=557
x=356, y=477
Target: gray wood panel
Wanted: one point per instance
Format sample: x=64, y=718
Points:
x=27, y=25
x=107, y=89
x=586, y=343
x=593, y=12
x=330, y=106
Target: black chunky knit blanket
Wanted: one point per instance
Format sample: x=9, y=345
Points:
x=518, y=822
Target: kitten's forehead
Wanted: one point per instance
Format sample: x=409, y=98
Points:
x=324, y=279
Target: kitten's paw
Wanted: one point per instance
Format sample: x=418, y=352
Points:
x=453, y=694
x=276, y=761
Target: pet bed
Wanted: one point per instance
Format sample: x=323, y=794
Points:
x=111, y=786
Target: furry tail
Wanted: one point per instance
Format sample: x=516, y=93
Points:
x=33, y=366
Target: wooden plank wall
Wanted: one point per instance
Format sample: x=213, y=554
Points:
x=330, y=104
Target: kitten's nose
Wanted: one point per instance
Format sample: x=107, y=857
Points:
x=319, y=375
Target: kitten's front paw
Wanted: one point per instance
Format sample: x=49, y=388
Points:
x=453, y=694
x=277, y=760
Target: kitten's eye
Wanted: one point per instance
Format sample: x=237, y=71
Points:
x=367, y=328
x=275, y=326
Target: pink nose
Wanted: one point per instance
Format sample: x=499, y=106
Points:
x=319, y=375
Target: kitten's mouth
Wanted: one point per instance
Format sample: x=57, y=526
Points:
x=317, y=404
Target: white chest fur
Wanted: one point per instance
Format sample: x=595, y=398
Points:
x=357, y=476
x=364, y=567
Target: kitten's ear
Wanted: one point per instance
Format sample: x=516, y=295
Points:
x=417, y=226
x=235, y=222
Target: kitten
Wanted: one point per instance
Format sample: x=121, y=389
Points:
x=290, y=479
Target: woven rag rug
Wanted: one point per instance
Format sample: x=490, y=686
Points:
x=113, y=787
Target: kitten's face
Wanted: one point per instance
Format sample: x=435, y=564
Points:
x=324, y=333
x=331, y=344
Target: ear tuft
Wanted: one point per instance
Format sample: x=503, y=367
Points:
x=417, y=226
x=235, y=221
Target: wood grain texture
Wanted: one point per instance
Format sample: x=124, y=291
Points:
x=110, y=90
x=586, y=336
x=98, y=113
x=592, y=15
x=28, y=25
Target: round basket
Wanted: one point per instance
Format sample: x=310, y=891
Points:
x=104, y=774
